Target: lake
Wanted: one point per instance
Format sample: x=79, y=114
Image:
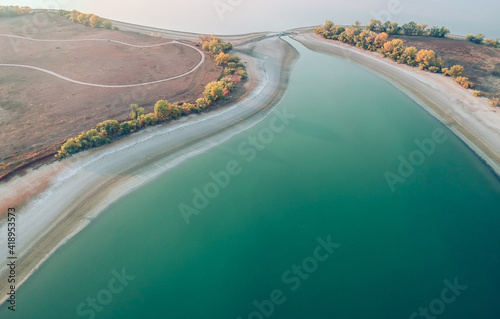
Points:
x=296, y=219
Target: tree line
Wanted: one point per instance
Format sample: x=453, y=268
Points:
x=479, y=38
x=370, y=40
x=410, y=28
x=218, y=50
x=90, y=20
x=165, y=111
x=13, y=11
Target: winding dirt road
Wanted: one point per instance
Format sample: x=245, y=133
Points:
x=112, y=41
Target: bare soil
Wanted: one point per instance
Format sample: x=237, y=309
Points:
x=39, y=111
x=481, y=63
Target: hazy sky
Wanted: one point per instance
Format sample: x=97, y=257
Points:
x=239, y=16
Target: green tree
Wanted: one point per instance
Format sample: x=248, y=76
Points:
x=391, y=28
x=148, y=120
x=479, y=38
x=136, y=111
x=162, y=110
x=107, y=24
x=374, y=25
x=110, y=128
x=201, y=103
x=409, y=28
x=438, y=32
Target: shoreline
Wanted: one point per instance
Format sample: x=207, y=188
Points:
x=468, y=117
x=86, y=183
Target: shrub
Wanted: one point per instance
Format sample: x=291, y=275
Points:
x=242, y=74
x=201, y=103
x=136, y=111
x=162, y=110
x=12, y=11
x=148, y=120
x=214, y=45
x=464, y=81
x=107, y=24
x=477, y=93
x=495, y=102
x=109, y=128
x=455, y=71
x=491, y=43
x=476, y=39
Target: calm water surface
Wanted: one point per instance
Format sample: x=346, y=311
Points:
x=320, y=178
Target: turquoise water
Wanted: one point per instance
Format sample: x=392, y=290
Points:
x=321, y=176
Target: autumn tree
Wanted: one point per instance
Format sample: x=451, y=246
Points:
x=162, y=110
x=348, y=36
x=476, y=39
x=427, y=60
x=222, y=58
x=201, y=103
x=464, y=81
x=136, y=111
x=393, y=49
x=148, y=120
x=455, y=71
x=84, y=19
x=214, y=45
x=12, y=11
x=410, y=55
x=421, y=29
x=213, y=91
x=94, y=21
x=491, y=43
x=381, y=39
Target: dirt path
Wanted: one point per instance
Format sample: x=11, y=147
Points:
x=112, y=41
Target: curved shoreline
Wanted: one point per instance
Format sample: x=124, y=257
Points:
x=468, y=117
x=89, y=182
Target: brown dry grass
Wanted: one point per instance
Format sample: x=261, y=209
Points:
x=38, y=111
x=481, y=63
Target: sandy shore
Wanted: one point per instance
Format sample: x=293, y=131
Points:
x=469, y=117
x=67, y=192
